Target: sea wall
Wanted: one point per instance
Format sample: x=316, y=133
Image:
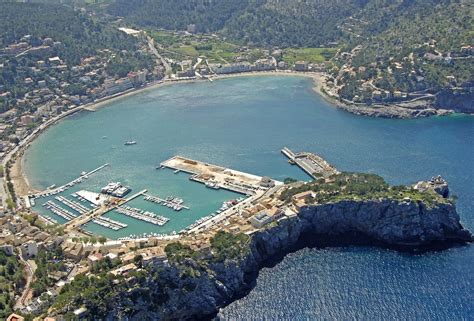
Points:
x=171, y=292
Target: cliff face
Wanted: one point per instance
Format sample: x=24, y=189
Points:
x=459, y=101
x=169, y=295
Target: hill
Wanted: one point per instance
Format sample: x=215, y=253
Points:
x=262, y=22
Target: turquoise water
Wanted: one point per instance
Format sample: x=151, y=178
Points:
x=243, y=123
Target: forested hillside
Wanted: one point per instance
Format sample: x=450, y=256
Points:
x=79, y=34
x=408, y=46
x=263, y=22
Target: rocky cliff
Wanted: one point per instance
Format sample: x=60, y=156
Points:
x=172, y=292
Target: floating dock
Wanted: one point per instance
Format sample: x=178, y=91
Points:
x=78, y=207
x=141, y=215
x=109, y=223
x=58, y=210
x=314, y=165
x=170, y=203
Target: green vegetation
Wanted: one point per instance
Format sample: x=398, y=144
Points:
x=48, y=263
x=358, y=187
x=80, y=35
x=227, y=246
x=178, y=252
x=259, y=22
x=11, y=282
x=394, y=39
x=312, y=55
x=93, y=292
x=216, y=50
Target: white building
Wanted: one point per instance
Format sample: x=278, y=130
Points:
x=29, y=249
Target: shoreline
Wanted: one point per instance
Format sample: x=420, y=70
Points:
x=23, y=186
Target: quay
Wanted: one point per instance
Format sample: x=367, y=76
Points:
x=215, y=177
x=314, y=165
x=174, y=203
x=64, y=187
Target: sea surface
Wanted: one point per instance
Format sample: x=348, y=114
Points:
x=242, y=123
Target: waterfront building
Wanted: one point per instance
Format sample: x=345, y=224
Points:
x=301, y=66
x=113, y=86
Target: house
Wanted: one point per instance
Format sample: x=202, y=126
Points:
x=55, y=61
x=26, y=120
x=191, y=28
x=15, y=317
x=299, y=200
x=81, y=313
x=29, y=249
x=260, y=219
x=94, y=258
x=124, y=269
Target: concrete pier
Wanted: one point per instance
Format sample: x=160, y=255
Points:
x=214, y=176
x=64, y=187
x=314, y=165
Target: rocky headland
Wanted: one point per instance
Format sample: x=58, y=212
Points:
x=196, y=288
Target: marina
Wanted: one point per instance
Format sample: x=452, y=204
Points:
x=141, y=215
x=81, y=209
x=58, y=210
x=170, y=202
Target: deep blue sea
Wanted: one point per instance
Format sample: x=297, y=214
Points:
x=243, y=123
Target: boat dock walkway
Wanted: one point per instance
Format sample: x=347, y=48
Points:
x=109, y=223
x=134, y=196
x=80, y=179
x=59, y=211
x=314, y=165
x=81, y=209
x=171, y=203
x=141, y=215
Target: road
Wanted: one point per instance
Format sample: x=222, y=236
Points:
x=30, y=268
x=151, y=45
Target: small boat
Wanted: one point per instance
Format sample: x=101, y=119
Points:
x=130, y=142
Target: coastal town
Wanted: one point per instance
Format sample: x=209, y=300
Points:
x=53, y=250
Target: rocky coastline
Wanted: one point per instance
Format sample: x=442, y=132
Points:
x=168, y=293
